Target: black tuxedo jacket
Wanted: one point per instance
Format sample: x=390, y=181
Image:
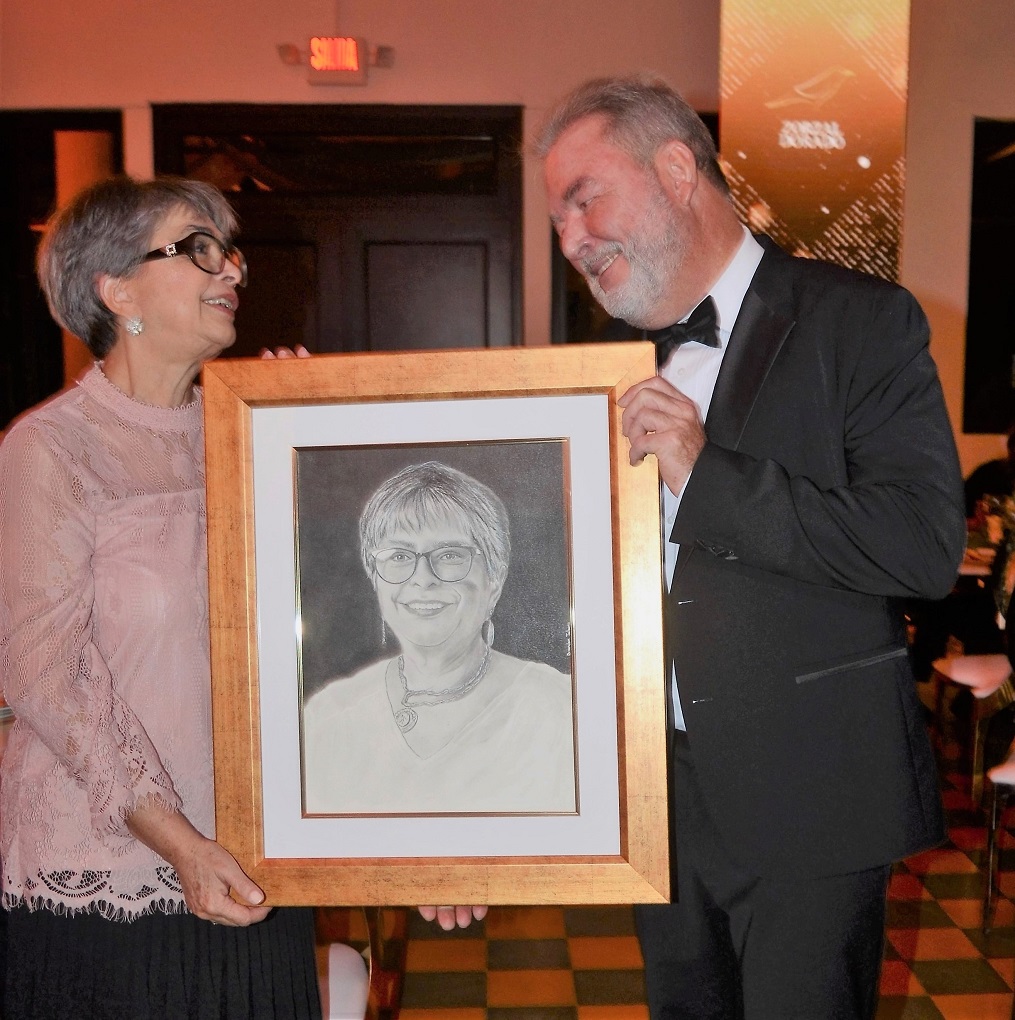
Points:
x=829, y=490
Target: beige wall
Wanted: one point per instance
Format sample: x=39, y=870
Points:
x=128, y=54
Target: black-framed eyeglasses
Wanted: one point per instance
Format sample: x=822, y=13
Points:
x=206, y=251
x=448, y=563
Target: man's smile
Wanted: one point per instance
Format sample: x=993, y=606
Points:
x=594, y=267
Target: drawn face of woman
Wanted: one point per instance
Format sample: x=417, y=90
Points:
x=426, y=611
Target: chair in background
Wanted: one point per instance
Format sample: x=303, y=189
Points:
x=989, y=679
x=1002, y=788
x=345, y=987
x=1002, y=779
x=361, y=961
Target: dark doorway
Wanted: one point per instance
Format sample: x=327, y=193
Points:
x=32, y=352
x=989, y=396
x=365, y=227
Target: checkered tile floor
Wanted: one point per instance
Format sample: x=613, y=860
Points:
x=553, y=963
x=938, y=963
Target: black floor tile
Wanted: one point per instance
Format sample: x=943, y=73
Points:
x=451, y=990
x=527, y=954
x=899, y=1007
x=609, y=987
x=955, y=977
x=963, y=886
x=916, y=914
x=599, y=920
x=999, y=944
x=531, y=1013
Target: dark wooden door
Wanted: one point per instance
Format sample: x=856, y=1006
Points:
x=365, y=228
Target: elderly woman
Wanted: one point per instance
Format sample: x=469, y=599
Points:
x=449, y=724
x=122, y=905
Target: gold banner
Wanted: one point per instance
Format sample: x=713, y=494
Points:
x=813, y=124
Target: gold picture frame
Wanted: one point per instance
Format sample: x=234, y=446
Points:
x=253, y=411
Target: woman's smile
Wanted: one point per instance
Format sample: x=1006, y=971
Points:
x=421, y=607
x=424, y=612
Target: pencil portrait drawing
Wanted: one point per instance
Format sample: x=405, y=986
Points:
x=439, y=715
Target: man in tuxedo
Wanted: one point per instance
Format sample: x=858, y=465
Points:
x=810, y=485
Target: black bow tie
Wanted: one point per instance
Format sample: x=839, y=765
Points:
x=700, y=327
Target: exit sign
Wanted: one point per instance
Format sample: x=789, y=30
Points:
x=337, y=60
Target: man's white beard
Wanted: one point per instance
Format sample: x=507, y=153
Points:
x=654, y=256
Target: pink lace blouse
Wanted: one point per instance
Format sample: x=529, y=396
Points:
x=103, y=646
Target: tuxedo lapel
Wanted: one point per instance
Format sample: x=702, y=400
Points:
x=757, y=337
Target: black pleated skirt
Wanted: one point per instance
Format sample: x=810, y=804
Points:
x=160, y=967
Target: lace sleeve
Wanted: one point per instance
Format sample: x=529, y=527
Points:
x=54, y=677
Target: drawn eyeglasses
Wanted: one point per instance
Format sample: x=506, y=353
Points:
x=206, y=251
x=448, y=563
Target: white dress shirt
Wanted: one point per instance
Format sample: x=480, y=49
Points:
x=693, y=369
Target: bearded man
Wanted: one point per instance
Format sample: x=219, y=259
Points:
x=810, y=486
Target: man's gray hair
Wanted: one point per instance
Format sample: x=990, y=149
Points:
x=641, y=113
x=421, y=495
x=106, y=229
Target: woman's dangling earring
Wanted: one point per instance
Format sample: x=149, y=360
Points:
x=384, y=634
x=488, y=632
x=135, y=326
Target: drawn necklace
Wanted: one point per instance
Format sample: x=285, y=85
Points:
x=406, y=717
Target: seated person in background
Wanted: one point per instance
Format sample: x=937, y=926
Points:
x=969, y=613
x=992, y=478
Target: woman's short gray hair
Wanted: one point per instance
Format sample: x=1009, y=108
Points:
x=106, y=229
x=642, y=113
x=425, y=494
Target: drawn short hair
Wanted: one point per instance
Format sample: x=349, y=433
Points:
x=641, y=113
x=106, y=229
x=424, y=494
